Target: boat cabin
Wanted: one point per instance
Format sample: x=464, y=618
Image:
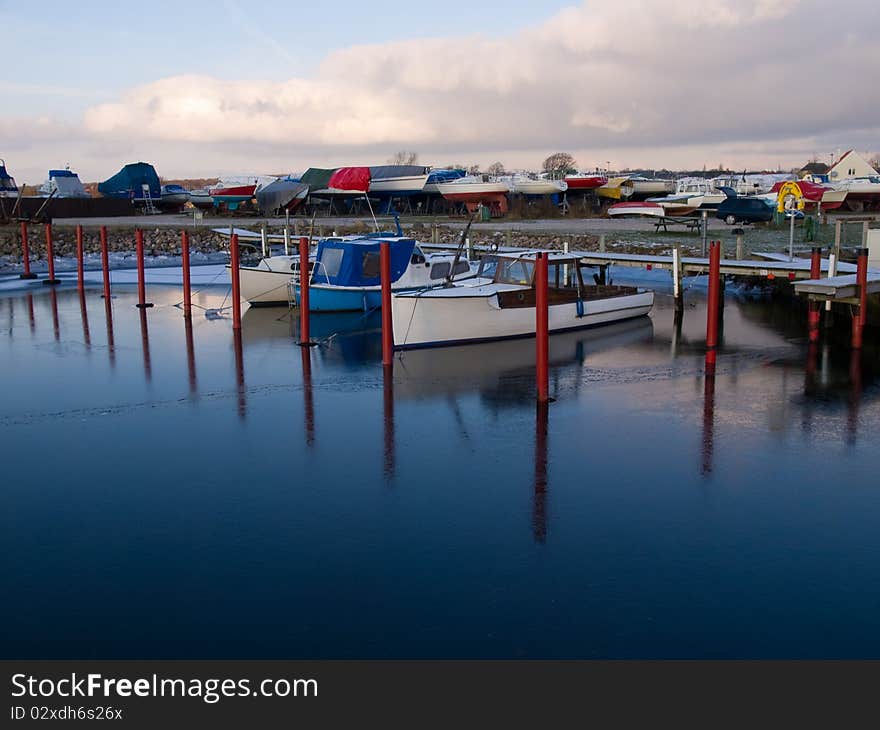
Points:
x=565, y=273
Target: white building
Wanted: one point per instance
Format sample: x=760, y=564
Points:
x=850, y=165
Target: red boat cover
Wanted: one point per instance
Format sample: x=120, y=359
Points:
x=354, y=179
x=812, y=191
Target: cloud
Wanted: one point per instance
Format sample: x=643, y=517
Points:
x=638, y=77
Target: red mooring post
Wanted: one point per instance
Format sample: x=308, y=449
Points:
x=305, y=339
x=387, y=322
x=184, y=260
x=860, y=317
x=813, y=310
x=714, y=291
x=25, y=254
x=236, y=282
x=105, y=262
x=80, y=263
x=542, y=329
x=142, y=284
x=50, y=257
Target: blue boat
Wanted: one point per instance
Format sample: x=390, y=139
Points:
x=8, y=188
x=346, y=277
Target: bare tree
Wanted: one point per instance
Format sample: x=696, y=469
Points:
x=559, y=164
x=496, y=168
x=404, y=157
x=473, y=170
x=874, y=161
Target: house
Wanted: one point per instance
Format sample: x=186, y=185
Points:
x=850, y=165
x=813, y=168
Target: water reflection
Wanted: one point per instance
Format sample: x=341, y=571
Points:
x=111, y=347
x=855, y=396
x=239, y=374
x=84, y=316
x=539, y=506
x=190, y=356
x=145, y=346
x=31, y=319
x=56, y=325
x=308, y=397
x=708, y=441
x=388, y=421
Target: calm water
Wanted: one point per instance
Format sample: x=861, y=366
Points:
x=184, y=493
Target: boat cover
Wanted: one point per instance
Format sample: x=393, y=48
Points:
x=279, y=194
x=383, y=172
x=129, y=182
x=350, y=179
x=7, y=184
x=356, y=263
x=66, y=184
x=317, y=178
x=443, y=176
x=813, y=192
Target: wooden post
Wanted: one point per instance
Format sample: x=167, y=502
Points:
x=601, y=243
x=740, y=245
x=387, y=322
x=837, y=236
x=142, y=284
x=714, y=286
x=287, y=238
x=860, y=317
x=236, y=282
x=50, y=257
x=105, y=262
x=80, y=263
x=184, y=261
x=264, y=241
x=832, y=272
x=813, y=313
x=676, y=278
x=542, y=328
x=25, y=254
x=305, y=339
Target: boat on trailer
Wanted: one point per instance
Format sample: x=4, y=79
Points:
x=8, y=188
x=481, y=310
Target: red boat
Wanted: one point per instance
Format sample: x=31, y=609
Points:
x=586, y=181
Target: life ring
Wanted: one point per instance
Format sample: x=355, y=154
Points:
x=790, y=198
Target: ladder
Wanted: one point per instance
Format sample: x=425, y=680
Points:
x=149, y=207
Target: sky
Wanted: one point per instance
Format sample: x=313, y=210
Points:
x=204, y=89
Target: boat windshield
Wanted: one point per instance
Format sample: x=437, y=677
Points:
x=514, y=271
x=488, y=267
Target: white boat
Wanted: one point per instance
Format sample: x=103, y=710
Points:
x=201, y=198
x=639, y=188
x=64, y=184
x=636, y=209
x=478, y=310
x=694, y=193
x=398, y=180
x=345, y=274
x=472, y=188
x=859, y=192
x=527, y=185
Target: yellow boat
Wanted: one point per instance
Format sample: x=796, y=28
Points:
x=613, y=189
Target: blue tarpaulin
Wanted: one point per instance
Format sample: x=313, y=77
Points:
x=129, y=182
x=356, y=262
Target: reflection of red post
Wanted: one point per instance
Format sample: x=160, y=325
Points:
x=111, y=349
x=388, y=419
x=304, y=275
x=56, y=326
x=145, y=344
x=31, y=319
x=539, y=508
x=387, y=322
x=25, y=254
x=142, y=283
x=105, y=262
x=860, y=317
x=712, y=304
x=855, y=395
x=184, y=261
x=709, y=412
x=308, y=402
x=84, y=313
x=239, y=373
x=542, y=314
x=190, y=354
x=813, y=313
x=236, y=282
x=50, y=257
x=80, y=265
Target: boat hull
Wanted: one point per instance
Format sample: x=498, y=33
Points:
x=587, y=182
x=435, y=321
x=399, y=186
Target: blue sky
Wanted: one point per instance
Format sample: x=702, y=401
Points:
x=110, y=46
x=225, y=87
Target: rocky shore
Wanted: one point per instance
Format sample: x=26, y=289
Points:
x=162, y=245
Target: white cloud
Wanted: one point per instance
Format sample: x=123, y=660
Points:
x=638, y=77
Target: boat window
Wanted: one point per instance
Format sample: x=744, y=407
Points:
x=440, y=271
x=331, y=262
x=514, y=271
x=488, y=265
x=371, y=265
x=462, y=267
x=417, y=258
